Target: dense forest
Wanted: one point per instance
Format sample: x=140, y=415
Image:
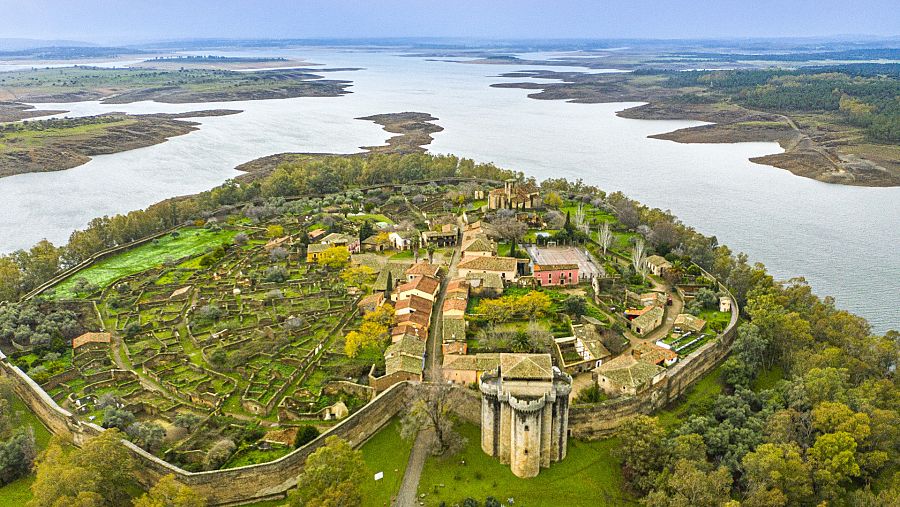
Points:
x=864, y=95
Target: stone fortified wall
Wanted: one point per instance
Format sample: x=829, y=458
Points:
x=602, y=419
x=222, y=487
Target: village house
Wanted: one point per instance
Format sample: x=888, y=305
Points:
x=402, y=240
x=725, y=304
x=422, y=286
x=447, y=236
x=581, y=352
x=478, y=246
x=337, y=239
x=467, y=369
x=625, y=375
x=685, y=322
x=649, y=319
x=653, y=299
x=422, y=269
x=413, y=304
x=453, y=339
x=654, y=354
x=418, y=320
x=455, y=307
x=406, y=328
x=374, y=244
x=548, y=275
x=393, y=272
x=317, y=234
x=657, y=264
x=506, y=267
x=485, y=284
x=314, y=250
x=514, y=195
x=370, y=303
x=403, y=361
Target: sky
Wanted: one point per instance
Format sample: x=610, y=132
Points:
x=108, y=21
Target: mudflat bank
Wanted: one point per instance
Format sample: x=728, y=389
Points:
x=58, y=144
x=816, y=146
x=13, y=111
x=414, y=131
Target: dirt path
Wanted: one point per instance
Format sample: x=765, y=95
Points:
x=409, y=488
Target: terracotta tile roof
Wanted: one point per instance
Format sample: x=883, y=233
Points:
x=472, y=362
x=423, y=268
x=405, y=355
x=478, y=244
x=317, y=248
x=417, y=303
x=484, y=263
x=453, y=329
x=689, y=322
x=455, y=304
x=653, y=354
x=526, y=366
x=407, y=328
x=627, y=371
x=457, y=285
x=426, y=284
x=554, y=267
x=336, y=237
x=91, y=338
x=420, y=319
x=648, y=317
x=375, y=299
x=486, y=280
x=656, y=260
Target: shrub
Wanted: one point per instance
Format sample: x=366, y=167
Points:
x=306, y=435
x=114, y=417
x=276, y=274
x=218, y=454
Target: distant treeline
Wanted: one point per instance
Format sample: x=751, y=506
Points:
x=849, y=54
x=216, y=59
x=69, y=52
x=864, y=96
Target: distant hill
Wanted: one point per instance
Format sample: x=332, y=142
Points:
x=14, y=44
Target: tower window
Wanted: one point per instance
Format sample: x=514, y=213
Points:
x=526, y=427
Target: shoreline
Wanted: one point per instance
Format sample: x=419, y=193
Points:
x=730, y=123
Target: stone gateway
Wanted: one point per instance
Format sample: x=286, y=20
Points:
x=525, y=412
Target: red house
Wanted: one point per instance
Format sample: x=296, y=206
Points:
x=556, y=274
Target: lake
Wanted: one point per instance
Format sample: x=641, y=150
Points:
x=842, y=239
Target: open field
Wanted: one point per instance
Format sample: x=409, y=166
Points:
x=385, y=452
x=189, y=242
x=589, y=466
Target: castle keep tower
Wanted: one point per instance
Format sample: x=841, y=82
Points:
x=525, y=412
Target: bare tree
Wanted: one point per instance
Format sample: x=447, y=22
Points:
x=637, y=256
x=432, y=409
x=605, y=237
x=510, y=229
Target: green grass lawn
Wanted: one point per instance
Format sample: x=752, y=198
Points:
x=189, y=242
x=18, y=492
x=589, y=476
x=768, y=378
x=697, y=401
x=385, y=452
x=371, y=217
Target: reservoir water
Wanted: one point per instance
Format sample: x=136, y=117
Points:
x=844, y=240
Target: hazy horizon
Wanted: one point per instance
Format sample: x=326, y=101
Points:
x=108, y=21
